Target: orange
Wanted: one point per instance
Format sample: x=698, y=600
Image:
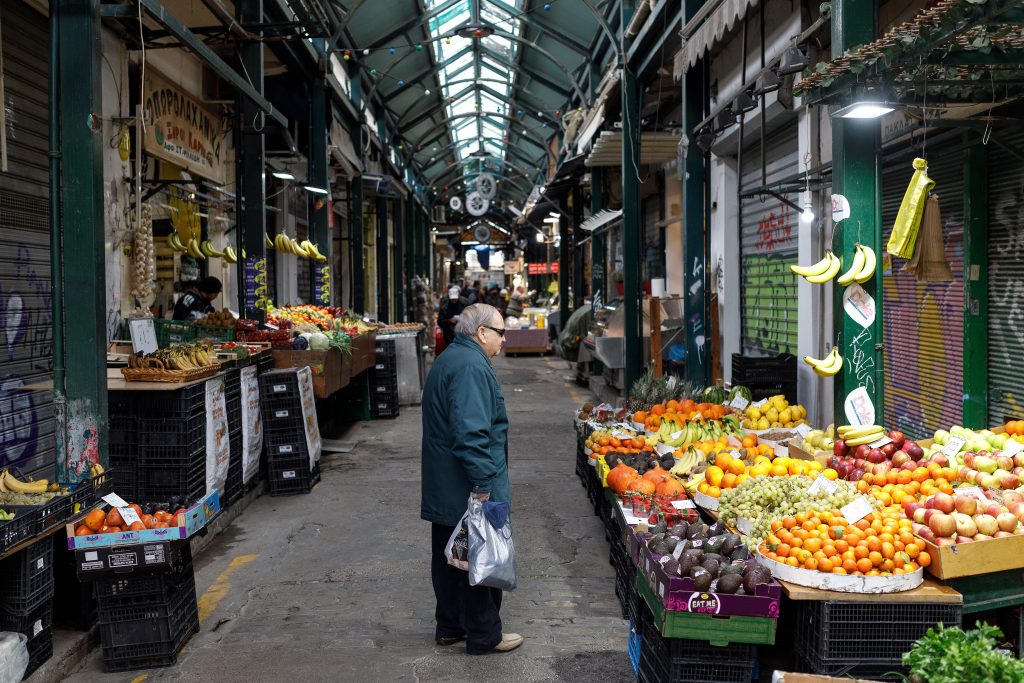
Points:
x=779, y=471
x=841, y=546
x=849, y=566
x=888, y=550
x=904, y=477
x=722, y=460
x=924, y=559
x=729, y=480
x=813, y=544
x=825, y=565
x=873, y=543
x=839, y=570
x=811, y=563
x=792, y=562
x=783, y=550
x=95, y=520
x=714, y=491
x=875, y=557
x=737, y=466
x=713, y=475
x=861, y=552
x=864, y=565
x=789, y=522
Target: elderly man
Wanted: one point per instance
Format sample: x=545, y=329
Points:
x=465, y=452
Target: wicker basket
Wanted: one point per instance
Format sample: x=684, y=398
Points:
x=154, y=375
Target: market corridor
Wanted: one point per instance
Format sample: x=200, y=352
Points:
x=335, y=586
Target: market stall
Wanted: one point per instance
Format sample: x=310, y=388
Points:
x=725, y=516
x=532, y=336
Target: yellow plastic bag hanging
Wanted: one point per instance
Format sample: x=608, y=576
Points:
x=908, y=220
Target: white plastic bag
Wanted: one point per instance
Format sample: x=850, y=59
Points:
x=457, y=549
x=13, y=656
x=492, y=560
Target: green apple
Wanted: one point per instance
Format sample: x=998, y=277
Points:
x=941, y=436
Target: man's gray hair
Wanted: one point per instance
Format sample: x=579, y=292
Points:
x=474, y=317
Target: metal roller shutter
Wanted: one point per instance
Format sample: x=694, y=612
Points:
x=768, y=243
x=1005, y=282
x=923, y=322
x=26, y=417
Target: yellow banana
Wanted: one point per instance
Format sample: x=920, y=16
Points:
x=829, y=273
x=817, y=269
x=827, y=360
x=267, y=242
x=854, y=432
x=18, y=486
x=124, y=144
x=194, y=251
x=854, y=270
x=867, y=438
x=832, y=368
x=229, y=255
x=868, y=270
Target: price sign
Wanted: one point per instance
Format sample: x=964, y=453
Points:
x=744, y=525
x=974, y=491
x=1012, y=447
x=822, y=483
x=129, y=515
x=758, y=404
x=115, y=501
x=143, y=335
x=664, y=449
x=739, y=402
x=953, y=446
x=879, y=443
x=683, y=504
x=857, y=510
x=803, y=429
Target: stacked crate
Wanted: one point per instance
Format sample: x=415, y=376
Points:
x=284, y=434
x=383, y=378
x=145, y=616
x=233, y=487
x=26, y=599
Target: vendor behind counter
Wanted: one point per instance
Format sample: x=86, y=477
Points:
x=196, y=302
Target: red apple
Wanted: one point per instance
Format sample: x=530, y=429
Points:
x=920, y=515
x=839, y=447
x=965, y=526
x=1007, y=521
x=888, y=449
x=928, y=535
x=1018, y=458
x=900, y=458
x=913, y=450
x=992, y=509
x=1002, y=534
x=1007, y=480
x=967, y=505
x=986, y=524
x=861, y=451
x=939, y=458
x=944, y=541
x=944, y=502
x=856, y=475
x=986, y=537
x=943, y=524
x=897, y=438
x=876, y=455
x=1004, y=462
x=910, y=506
x=860, y=464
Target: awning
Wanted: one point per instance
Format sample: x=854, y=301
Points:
x=599, y=219
x=655, y=148
x=699, y=37
x=342, y=150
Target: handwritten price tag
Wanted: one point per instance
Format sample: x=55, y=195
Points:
x=953, y=446
x=664, y=449
x=974, y=491
x=739, y=402
x=115, y=501
x=744, y=525
x=683, y=504
x=129, y=515
x=803, y=429
x=857, y=510
x=822, y=483
x=881, y=442
x=1012, y=447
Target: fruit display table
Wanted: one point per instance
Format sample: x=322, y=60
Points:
x=526, y=341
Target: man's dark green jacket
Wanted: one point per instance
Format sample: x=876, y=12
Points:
x=465, y=429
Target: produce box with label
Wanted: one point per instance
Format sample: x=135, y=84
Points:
x=88, y=530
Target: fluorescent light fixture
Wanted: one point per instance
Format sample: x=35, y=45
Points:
x=315, y=190
x=864, y=110
x=555, y=214
x=283, y=175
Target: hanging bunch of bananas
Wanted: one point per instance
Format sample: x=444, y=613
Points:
x=861, y=270
x=185, y=357
x=192, y=247
x=855, y=436
x=304, y=249
x=827, y=366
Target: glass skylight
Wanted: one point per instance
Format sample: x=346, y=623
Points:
x=475, y=74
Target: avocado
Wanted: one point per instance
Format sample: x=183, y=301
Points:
x=695, y=554
x=694, y=530
x=686, y=563
x=660, y=527
x=711, y=565
x=715, y=544
x=729, y=583
x=701, y=578
x=680, y=529
x=717, y=528
x=714, y=556
x=754, y=576
x=671, y=542
x=671, y=566
x=660, y=548
x=612, y=459
x=741, y=553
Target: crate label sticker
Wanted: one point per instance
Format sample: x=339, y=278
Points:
x=881, y=442
x=129, y=515
x=280, y=413
x=703, y=603
x=122, y=560
x=953, y=446
x=678, y=551
x=683, y=504
x=114, y=500
x=857, y=510
x=744, y=525
x=37, y=628
x=91, y=566
x=739, y=402
x=971, y=491
x=155, y=554
x=1012, y=447
x=822, y=483
x=288, y=474
x=41, y=563
x=91, y=556
x=285, y=449
x=278, y=388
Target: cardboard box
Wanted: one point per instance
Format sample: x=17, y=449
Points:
x=976, y=557
x=330, y=373
x=196, y=517
x=800, y=454
x=790, y=677
x=94, y=564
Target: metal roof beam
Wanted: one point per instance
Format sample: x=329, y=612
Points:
x=536, y=75
x=429, y=71
x=567, y=41
x=413, y=23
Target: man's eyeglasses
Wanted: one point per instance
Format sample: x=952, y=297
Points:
x=499, y=330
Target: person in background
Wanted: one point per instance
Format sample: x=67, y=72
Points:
x=493, y=298
x=465, y=453
x=449, y=311
x=195, y=302
x=515, y=303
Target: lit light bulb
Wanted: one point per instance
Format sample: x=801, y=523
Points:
x=540, y=237
x=807, y=215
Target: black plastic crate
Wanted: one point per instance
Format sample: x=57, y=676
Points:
x=679, y=660
x=148, y=637
x=146, y=589
x=383, y=409
x=40, y=649
x=158, y=483
x=151, y=618
x=74, y=602
x=279, y=384
x=233, y=487
x=290, y=477
x=26, y=578
x=54, y=512
x=181, y=402
x=265, y=363
x=234, y=410
x=123, y=429
x=386, y=347
x=387, y=365
x=173, y=456
x=124, y=479
x=172, y=431
x=285, y=444
x=868, y=633
x=858, y=670
x=32, y=624
x=383, y=388
x=132, y=560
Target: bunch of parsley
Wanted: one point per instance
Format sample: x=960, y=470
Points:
x=952, y=655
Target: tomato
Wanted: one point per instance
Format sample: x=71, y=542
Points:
x=137, y=526
x=114, y=517
x=95, y=519
x=83, y=530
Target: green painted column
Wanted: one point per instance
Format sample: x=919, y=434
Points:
x=564, y=271
x=381, y=250
x=976, y=287
x=318, y=205
x=251, y=196
x=427, y=244
x=81, y=417
x=577, y=250
x=410, y=255
x=695, y=226
x=598, y=255
x=398, y=262
x=631, y=228
x=856, y=175
x=355, y=218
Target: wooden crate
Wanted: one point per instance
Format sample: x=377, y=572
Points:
x=330, y=373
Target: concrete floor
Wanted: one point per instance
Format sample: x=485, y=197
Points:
x=335, y=586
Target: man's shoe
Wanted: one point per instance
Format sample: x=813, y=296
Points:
x=509, y=642
x=445, y=641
